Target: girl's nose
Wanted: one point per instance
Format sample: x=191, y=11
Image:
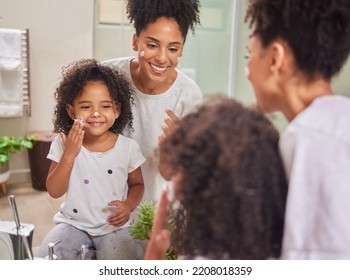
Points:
x=95, y=114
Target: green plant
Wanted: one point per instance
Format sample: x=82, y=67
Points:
x=14, y=145
x=142, y=227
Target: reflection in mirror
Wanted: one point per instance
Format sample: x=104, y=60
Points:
x=207, y=55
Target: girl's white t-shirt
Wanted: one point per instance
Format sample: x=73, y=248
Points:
x=96, y=179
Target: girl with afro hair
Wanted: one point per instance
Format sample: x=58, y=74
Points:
x=227, y=174
x=93, y=165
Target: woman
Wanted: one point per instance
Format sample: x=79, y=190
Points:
x=163, y=92
x=295, y=49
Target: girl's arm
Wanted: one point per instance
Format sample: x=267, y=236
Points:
x=135, y=194
x=136, y=189
x=59, y=173
x=160, y=236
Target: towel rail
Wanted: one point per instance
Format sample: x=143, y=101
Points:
x=26, y=70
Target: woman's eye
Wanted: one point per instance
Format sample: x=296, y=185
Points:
x=151, y=46
x=246, y=56
x=173, y=50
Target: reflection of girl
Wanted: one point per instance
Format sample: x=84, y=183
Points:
x=295, y=50
x=162, y=90
x=97, y=168
x=226, y=171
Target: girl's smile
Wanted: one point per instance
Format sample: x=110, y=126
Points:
x=95, y=108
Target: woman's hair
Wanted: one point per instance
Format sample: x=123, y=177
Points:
x=318, y=31
x=143, y=12
x=233, y=183
x=74, y=78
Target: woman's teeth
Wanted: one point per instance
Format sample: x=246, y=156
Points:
x=157, y=68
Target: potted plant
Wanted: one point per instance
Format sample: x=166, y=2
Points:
x=10, y=145
x=141, y=228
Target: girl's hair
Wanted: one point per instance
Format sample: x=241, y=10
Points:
x=143, y=12
x=318, y=31
x=74, y=78
x=233, y=183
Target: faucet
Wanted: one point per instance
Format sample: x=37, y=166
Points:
x=20, y=235
x=51, y=255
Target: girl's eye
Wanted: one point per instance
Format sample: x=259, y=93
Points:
x=246, y=56
x=106, y=106
x=85, y=107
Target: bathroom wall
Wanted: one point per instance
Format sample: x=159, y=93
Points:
x=60, y=31
x=64, y=30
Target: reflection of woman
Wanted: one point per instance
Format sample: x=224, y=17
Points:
x=295, y=50
x=226, y=171
x=162, y=90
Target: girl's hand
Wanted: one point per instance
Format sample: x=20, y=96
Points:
x=74, y=141
x=121, y=215
x=169, y=125
x=160, y=236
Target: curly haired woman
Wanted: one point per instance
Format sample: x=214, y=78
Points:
x=163, y=93
x=295, y=50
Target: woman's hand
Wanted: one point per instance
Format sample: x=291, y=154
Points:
x=169, y=125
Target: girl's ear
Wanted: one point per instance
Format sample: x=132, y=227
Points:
x=135, y=41
x=70, y=111
x=117, y=110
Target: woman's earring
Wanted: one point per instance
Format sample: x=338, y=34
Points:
x=246, y=71
x=142, y=53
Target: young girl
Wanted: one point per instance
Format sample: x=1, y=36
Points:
x=162, y=92
x=226, y=171
x=94, y=165
x=295, y=50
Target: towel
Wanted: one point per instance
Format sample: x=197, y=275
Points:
x=11, y=73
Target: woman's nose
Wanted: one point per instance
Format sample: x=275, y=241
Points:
x=161, y=56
